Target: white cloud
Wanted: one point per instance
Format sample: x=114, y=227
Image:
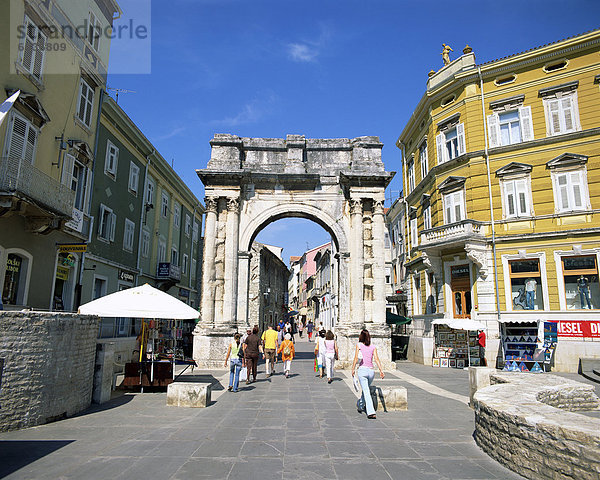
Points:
x=301, y=52
x=251, y=112
x=173, y=133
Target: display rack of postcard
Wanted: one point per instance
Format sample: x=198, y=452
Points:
x=452, y=348
x=521, y=352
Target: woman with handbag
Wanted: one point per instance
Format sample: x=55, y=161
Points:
x=366, y=372
x=235, y=363
x=331, y=354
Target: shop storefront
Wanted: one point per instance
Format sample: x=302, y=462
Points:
x=457, y=343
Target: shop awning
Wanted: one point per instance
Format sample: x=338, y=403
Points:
x=460, y=323
x=519, y=319
x=393, y=319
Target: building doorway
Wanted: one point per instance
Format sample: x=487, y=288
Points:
x=460, y=283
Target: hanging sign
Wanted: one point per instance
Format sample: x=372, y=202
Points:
x=72, y=247
x=62, y=273
x=126, y=276
x=578, y=328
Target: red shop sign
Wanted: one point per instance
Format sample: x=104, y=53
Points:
x=578, y=328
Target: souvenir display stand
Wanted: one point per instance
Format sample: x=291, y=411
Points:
x=523, y=348
x=456, y=344
x=156, y=366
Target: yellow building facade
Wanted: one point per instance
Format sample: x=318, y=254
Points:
x=501, y=174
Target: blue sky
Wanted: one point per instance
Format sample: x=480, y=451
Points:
x=324, y=69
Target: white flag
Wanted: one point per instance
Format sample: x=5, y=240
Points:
x=7, y=105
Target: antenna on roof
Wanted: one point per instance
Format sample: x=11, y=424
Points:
x=120, y=90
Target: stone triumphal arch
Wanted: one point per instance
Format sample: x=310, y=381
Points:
x=251, y=182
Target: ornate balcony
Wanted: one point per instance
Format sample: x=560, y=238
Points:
x=44, y=197
x=453, y=234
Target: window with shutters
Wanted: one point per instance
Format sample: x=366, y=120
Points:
x=195, y=232
x=85, y=105
x=22, y=138
x=451, y=143
x=128, y=235
x=427, y=217
x=184, y=263
x=134, y=178
x=164, y=206
x=174, y=256
x=411, y=176
x=106, y=224
x=150, y=192
x=454, y=207
x=111, y=160
x=94, y=32
x=188, y=225
x=176, y=215
x=508, y=128
x=162, y=250
x=414, y=233
x=75, y=176
x=145, y=243
x=517, y=197
x=570, y=191
x=32, y=49
x=561, y=108
x=423, y=159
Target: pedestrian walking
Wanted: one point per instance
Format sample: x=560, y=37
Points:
x=320, y=350
x=309, y=329
x=269, y=344
x=280, y=334
x=235, y=363
x=288, y=352
x=252, y=349
x=331, y=354
x=300, y=328
x=366, y=373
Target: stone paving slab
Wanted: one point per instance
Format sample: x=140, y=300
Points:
x=285, y=429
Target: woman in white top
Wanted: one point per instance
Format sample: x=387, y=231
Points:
x=331, y=353
x=320, y=350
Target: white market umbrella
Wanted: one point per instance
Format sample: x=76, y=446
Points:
x=140, y=302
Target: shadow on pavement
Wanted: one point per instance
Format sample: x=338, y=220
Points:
x=15, y=455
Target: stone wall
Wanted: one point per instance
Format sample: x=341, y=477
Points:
x=49, y=366
x=516, y=424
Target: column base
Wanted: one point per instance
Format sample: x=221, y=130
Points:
x=210, y=345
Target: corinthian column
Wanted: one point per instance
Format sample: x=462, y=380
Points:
x=357, y=313
x=208, y=262
x=231, y=262
x=379, y=300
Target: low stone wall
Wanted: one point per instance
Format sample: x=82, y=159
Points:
x=525, y=422
x=48, y=369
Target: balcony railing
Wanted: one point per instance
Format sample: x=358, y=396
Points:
x=453, y=232
x=21, y=177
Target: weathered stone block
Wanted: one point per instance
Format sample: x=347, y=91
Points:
x=188, y=394
x=479, y=377
x=391, y=399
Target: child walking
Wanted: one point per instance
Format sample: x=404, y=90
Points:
x=287, y=353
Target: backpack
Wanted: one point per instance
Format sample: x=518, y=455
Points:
x=287, y=351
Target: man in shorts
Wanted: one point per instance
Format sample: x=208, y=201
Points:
x=270, y=344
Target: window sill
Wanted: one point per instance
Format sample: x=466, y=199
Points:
x=110, y=175
x=79, y=123
x=37, y=83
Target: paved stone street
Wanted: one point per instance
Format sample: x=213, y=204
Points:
x=296, y=428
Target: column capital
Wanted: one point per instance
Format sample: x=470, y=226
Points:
x=244, y=254
x=212, y=203
x=356, y=206
x=378, y=207
x=233, y=204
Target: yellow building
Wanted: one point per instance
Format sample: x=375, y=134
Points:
x=501, y=172
x=56, y=53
